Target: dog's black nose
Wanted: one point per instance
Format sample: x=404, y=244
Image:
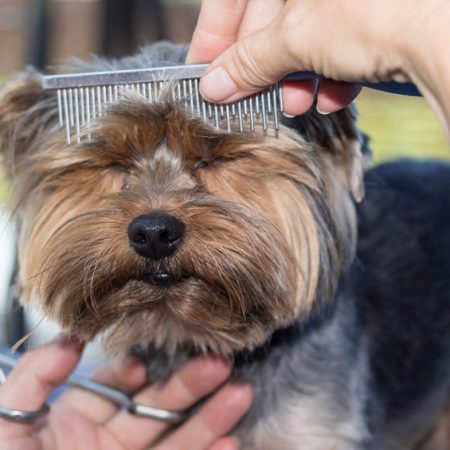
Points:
x=155, y=235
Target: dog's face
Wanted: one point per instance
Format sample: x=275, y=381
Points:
x=160, y=228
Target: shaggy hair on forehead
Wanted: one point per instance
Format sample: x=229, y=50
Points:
x=269, y=223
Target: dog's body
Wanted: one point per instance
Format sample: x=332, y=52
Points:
x=256, y=260
x=374, y=371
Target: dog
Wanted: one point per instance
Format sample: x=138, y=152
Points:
x=165, y=234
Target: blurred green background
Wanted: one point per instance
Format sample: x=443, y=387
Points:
x=46, y=32
x=401, y=126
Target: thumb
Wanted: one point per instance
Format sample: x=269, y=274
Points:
x=250, y=65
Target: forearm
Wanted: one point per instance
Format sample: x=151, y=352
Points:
x=429, y=66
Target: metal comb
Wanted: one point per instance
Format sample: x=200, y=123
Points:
x=82, y=97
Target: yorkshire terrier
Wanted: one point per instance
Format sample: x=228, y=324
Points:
x=162, y=232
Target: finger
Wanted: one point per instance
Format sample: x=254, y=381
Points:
x=127, y=374
x=185, y=388
x=250, y=65
x=298, y=96
x=226, y=443
x=37, y=373
x=216, y=29
x=335, y=95
x=216, y=418
x=258, y=15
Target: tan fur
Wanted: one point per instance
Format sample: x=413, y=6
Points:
x=270, y=223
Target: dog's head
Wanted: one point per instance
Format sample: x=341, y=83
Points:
x=158, y=227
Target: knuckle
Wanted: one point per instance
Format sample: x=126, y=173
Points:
x=249, y=68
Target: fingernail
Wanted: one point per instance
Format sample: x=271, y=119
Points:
x=288, y=116
x=324, y=113
x=226, y=360
x=240, y=393
x=131, y=366
x=217, y=85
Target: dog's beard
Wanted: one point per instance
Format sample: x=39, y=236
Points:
x=227, y=285
x=269, y=224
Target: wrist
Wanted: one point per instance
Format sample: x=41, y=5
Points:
x=427, y=60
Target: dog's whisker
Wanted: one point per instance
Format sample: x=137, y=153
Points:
x=27, y=336
x=80, y=217
x=88, y=287
x=42, y=272
x=89, y=295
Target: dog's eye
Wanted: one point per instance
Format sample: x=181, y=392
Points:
x=201, y=164
x=120, y=168
x=207, y=163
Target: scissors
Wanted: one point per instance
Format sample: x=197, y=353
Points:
x=9, y=360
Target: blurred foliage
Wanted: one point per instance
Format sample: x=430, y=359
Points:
x=398, y=127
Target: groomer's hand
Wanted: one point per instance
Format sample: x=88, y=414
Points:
x=254, y=43
x=81, y=420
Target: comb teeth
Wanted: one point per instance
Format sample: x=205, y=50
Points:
x=84, y=97
x=78, y=107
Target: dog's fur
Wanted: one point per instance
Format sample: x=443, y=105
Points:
x=343, y=352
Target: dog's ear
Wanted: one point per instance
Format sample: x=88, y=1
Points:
x=338, y=135
x=25, y=112
x=350, y=149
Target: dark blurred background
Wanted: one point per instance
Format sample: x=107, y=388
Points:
x=48, y=32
